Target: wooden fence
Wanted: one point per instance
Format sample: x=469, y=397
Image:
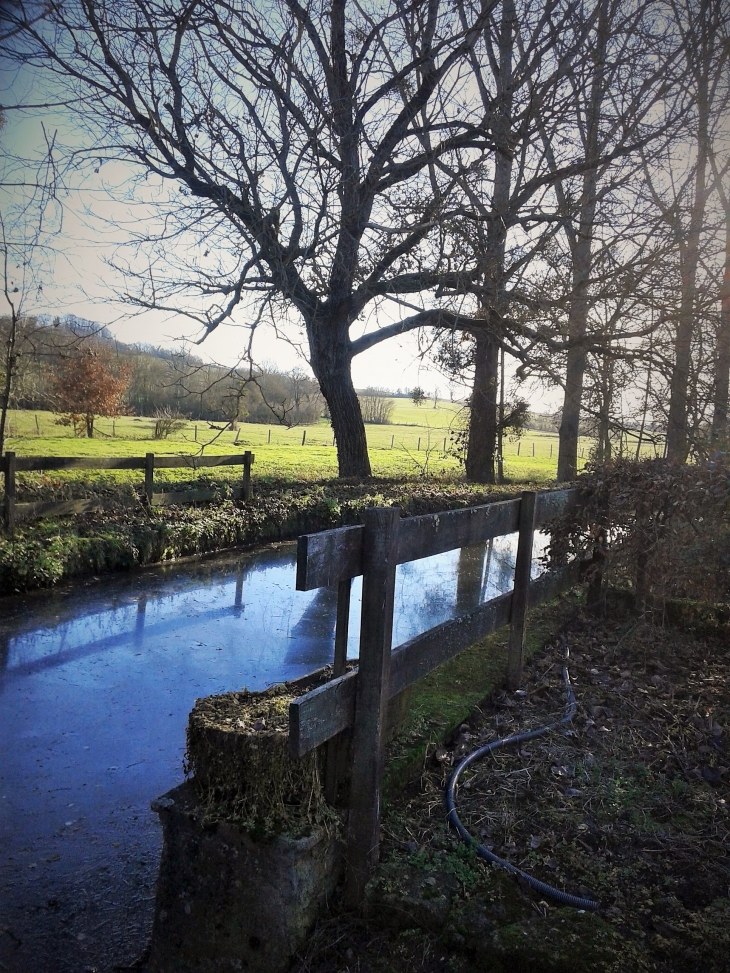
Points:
x=10, y=464
x=358, y=699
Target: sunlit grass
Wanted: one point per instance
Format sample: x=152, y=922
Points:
x=416, y=443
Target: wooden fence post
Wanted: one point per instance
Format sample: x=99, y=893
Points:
x=304, y=436
x=248, y=458
x=523, y=567
x=149, y=476
x=268, y=441
x=9, y=464
x=380, y=554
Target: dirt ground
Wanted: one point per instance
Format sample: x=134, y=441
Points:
x=629, y=803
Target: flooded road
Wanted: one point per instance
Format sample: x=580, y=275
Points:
x=96, y=683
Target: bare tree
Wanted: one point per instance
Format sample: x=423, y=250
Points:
x=722, y=348
x=377, y=406
x=631, y=81
x=308, y=161
x=679, y=186
x=548, y=70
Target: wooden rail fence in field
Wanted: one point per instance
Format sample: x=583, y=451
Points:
x=357, y=700
x=12, y=464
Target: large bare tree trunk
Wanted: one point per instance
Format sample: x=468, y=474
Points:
x=581, y=241
x=483, y=423
x=570, y=420
x=483, y=411
x=603, y=446
x=9, y=363
x=331, y=363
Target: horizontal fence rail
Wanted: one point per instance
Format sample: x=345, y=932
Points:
x=332, y=556
x=356, y=700
x=330, y=709
x=10, y=464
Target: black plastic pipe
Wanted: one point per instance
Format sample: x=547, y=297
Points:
x=564, y=898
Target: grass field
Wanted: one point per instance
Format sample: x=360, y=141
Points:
x=416, y=443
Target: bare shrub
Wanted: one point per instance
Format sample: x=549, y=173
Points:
x=167, y=422
x=376, y=406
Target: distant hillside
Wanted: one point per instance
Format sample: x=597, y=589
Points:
x=162, y=379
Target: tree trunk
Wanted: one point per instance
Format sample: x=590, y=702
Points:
x=570, y=421
x=331, y=363
x=483, y=422
x=500, y=426
x=483, y=410
x=581, y=244
x=645, y=406
x=90, y=425
x=722, y=352
x=679, y=387
x=603, y=446
x=10, y=361
x=577, y=324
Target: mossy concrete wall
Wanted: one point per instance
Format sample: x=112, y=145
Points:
x=226, y=902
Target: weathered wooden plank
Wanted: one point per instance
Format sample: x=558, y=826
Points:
x=328, y=557
x=521, y=591
x=414, y=659
x=197, y=462
x=64, y=508
x=248, y=458
x=321, y=714
x=553, y=503
x=10, y=511
x=149, y=477
x=435, y=533
x=28, y=463
x=379, y=557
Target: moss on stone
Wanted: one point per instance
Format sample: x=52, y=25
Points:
x=238, y=752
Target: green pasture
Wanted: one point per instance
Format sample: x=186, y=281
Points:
x=416, y=443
